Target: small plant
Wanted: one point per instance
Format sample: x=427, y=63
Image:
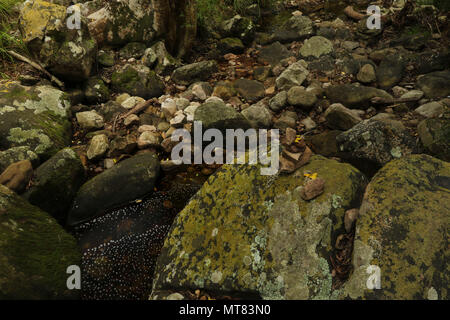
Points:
x=7, y=39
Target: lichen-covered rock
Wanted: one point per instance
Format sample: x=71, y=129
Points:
x=68, y=52
x=315, y=47
x=231, y=45
x=294, y=29
x=403, y=230
x=199, y=71
x=258, y=115
x=36, y=117
x=159, y=58
x=121, y=22
x=435, y=136
x=35, y=252
x=249, y=233
x=96, y=91
x=16, y=154
x=377, y=141
x=239, y=27
x=127, y=181
x=56, y=182
x=294, y=75
x=216, y=114
x=353, y=96
x=137, y=80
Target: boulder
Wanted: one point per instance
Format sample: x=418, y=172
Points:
x=353, y=96
x=159, y=58
x=250, y=90
x=17, y=176
x=341, y=118
x=315, y=47
x=231, y=45
x=299, y=97
x=377, y=141
x=55, y=184
x=252, y=234
x=137, y=80
x=96, y=91
x=220, y=116
x=129, y=180
x=294, y=29
x=16, y=154
x=67, y=52
x=390, y=71
x=35, y=252
x=435, y=136
x=401, y=233
x=35, y=117
x=435, y=84
x=199, y=71
x=239, y=27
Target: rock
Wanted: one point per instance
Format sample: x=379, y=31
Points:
x=168, y=108
x=231, y=45
x=414, y=95
x=250, y=90
x=98, y=147
x=367, y=74
x=36, y=117
x=340, y=118
x=17, y=154
x=121, y=98
x=350, y=219
x=35, y=252
x=261, y=73
x=299, y=97
x=312, y=189
x=175, y=296
x=324, y=143
x=199, y=71
x=294, y=75
x=274, y=53
x=56, y=182
x=399, y=91
x=128, y=180
x=106, y=58
x=182, y=103
x=132, y=50
x=401, y=231
x=278, y=101
x=390, y=71
x=288, y=119
x=90, y=120
x=435, y=84
x=377, y=141
x=239, y=27
x=202, y=90
x=316, y=46
x=146, y=127
x=132, y=102
x=354, y=96
x=294, y=29
x=122, y=145
x=66, y=53
x=431, y=110
x=158, y=57
x=131, y=120
x=17, y=175
x=178, y=120
x=110, y=110
x=220, y=116
x=224, y=90
x=309, y=124
x=121, y=22
x=137, y=80
x=96, y=91
x=276, y=244
x=258, y=116
x=435, y=136
x=148, y=139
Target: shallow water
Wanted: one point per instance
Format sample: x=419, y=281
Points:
x=120, y=248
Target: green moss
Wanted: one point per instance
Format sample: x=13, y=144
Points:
x=34, y=252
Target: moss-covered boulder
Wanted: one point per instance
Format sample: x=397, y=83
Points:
x=17, y=154
x=56, y=183
x=403, y=231
x=199, y=71
x=34, y=252
x=353, y=96
x=96, y=91
x=435, y=136
x=217, y=115
x=51, y=34
x=249, y=233
x=137, y=80
x=127, y=181
x=435, y=84
x=36, y=117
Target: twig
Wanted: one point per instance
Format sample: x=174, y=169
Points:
x=141, y=106
x=379, y=100
x=37, y=66
x=349, y=11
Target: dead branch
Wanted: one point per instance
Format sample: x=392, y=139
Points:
x=349, y=11
x=35, y=65
x=138, y=108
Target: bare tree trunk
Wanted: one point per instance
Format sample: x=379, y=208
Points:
x=176, y=21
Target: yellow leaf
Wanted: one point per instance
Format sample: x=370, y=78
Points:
x=312, y=176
